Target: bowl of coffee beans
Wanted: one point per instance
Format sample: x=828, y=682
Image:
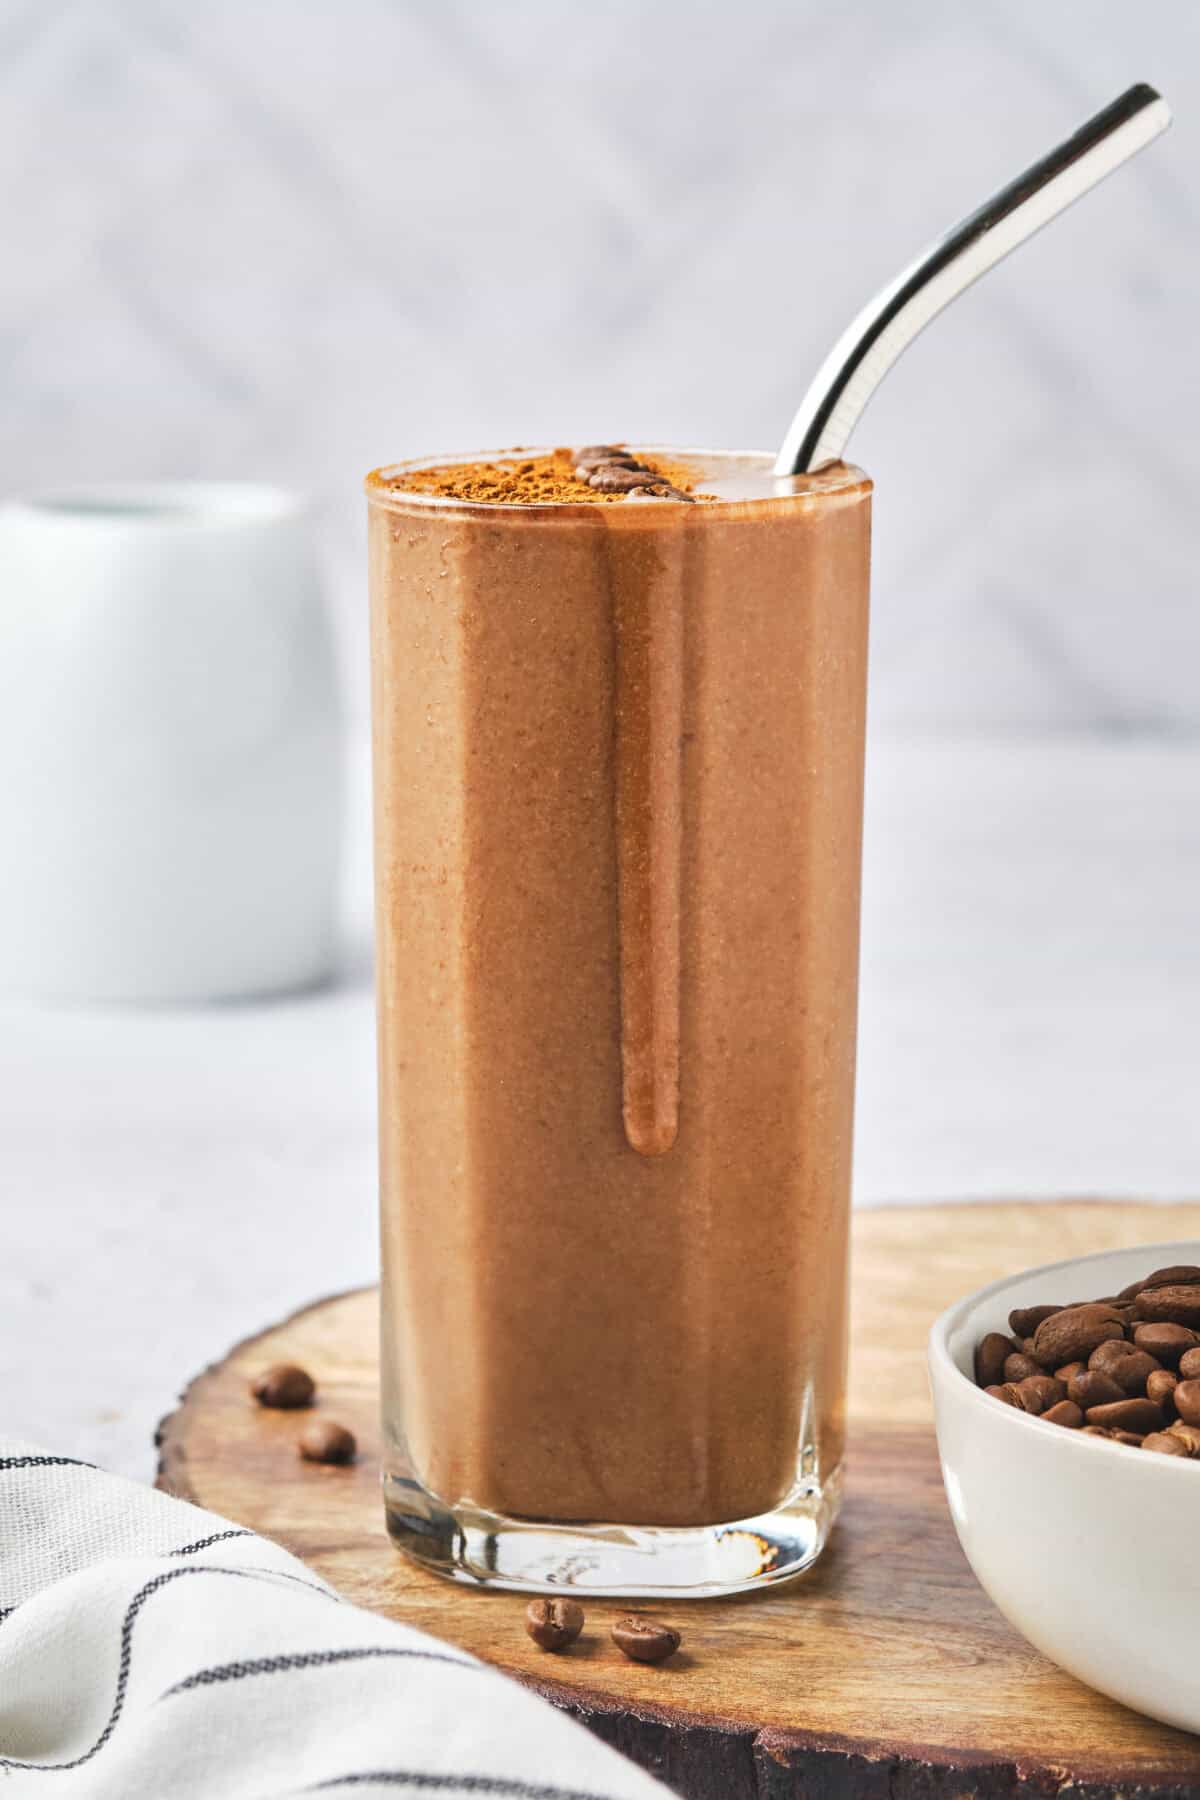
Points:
x=1067, y=1401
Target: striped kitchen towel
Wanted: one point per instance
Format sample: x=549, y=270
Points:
x=151, y=1651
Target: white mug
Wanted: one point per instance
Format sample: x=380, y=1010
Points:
x=171, y=779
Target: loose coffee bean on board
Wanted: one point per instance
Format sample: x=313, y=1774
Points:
x=553, y=1624
x=325, y=1442
x=284, y=1384
x=645, y=1640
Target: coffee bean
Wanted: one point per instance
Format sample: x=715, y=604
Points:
x=662, y=490
x=1094, y=1388
x=325, y=1442
x=553, y=1624
x=1023, y=1321
x=585, y=471
x=602, y=453
x=1125, y=1369
x=1037, y=1393
x=1160, y=1387
x=645, y=1640
x=609, y=479
x=1177, y=1305
x=1137, y=1416
x=1130, y=1371
x=1074, y=1333
x=1166, y=1342
x=284, y=1384
x=1164, y=1443
x=1113, y=1350
x=991, y=1352
x=1187, y=1402
x=1065, y=1412
x=1179, y=1274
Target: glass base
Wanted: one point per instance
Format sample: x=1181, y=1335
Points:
x=622, y=1561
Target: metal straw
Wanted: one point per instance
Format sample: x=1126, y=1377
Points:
x=865, y=352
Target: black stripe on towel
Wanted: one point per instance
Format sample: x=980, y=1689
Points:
x=126, y=1654
x=309, y=1659
x=418, y=1782
x=43, y=1462
x=218, y=1537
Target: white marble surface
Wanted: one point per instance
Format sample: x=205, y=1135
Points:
x=1031, y=991
x=299, y=240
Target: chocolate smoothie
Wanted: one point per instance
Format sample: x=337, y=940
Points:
x=618, y=777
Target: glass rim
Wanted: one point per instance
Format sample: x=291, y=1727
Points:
x=817, y=487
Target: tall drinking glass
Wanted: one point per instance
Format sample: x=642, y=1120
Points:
x=618, y=814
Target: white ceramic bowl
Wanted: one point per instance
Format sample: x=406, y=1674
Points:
x=1088, y=1547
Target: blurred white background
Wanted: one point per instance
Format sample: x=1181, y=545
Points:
x=296, y=240
x=301, y=239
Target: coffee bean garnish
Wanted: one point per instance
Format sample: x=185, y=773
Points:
x=645, y=1640
x=1124, y=1367
x=612, y=470
x=609, y=479
x=325, y=1442
x=592, y=455
x=553, y=1624
x=284, y=1384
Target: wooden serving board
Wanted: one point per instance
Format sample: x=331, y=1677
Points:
x=883, y=1672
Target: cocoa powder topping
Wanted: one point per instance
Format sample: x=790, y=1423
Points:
x=602, y=474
